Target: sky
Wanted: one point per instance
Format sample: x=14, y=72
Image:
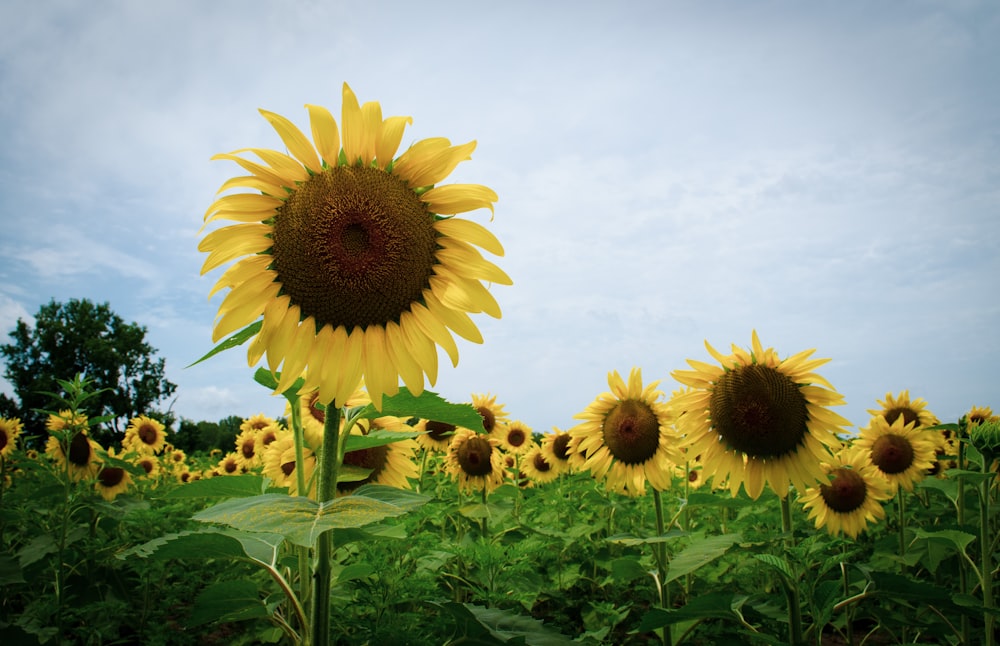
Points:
x=669, y=173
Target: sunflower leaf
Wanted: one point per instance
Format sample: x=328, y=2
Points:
x=234, y=340
x=376, y=438
x=701, y=551
x=227, y=601
x=718, y=605
x=427, y=405
x=240, y=486
x=269, y=380
x=211, y=543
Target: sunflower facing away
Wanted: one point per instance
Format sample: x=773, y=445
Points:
x=851, y=498
x=627, y=437
x=900, y=451
x=756, y=418
x=351, y=256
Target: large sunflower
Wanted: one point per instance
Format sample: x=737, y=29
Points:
x=353, y=260
x=627, y=437
x=912, y=411
x=10, y=429
x=851, y=498
x=756, y=418
x=902, y=453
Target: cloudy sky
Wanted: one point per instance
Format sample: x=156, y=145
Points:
x=827, y=173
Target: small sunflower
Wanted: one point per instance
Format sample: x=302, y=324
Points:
x=390, y=464
x=354, y=259
x=626, y=436
x=144, y=435
x=756, y=418
x=112, y=481
x=434, y=436
x=491, y=412
x=515, y=437
x=474, y=460
x=978, y=415
x=77, y=455
x=230, y=465
x=149, y=463
x=314, y=418
x=257, y=422
x=267, y=435
x=10, y=430
x=248, y=451
x=555, y=446
x=851, y=498
x=177, y=458
x=279, y=464
x=914, y=411
x=538, y=468
x=902, y=453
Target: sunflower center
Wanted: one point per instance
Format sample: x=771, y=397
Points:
x=374, y=458
x=438, y=431
x=759, y=411
x=147, y=466
x=892, y=453
x=474, y=456
x=111, y=476
x=516, y=437
x=247, y=449
x=230, y=466
x=3, y=438
x=79, y=450
x=846, y=492
x=632, y=432
x=908, y=414
x=489, y=419
x=267, y=437
x=540, y=463
x=354, y=247
x=288, y=468
x=560, y=445
x=147, y=434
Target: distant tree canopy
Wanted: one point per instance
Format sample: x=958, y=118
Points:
x=202, y=437
x=79, y=337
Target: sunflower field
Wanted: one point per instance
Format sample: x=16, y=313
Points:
x=740, y=508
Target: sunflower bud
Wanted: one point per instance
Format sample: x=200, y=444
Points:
x=986, y=438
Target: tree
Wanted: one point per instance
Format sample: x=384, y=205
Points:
x=79, y=337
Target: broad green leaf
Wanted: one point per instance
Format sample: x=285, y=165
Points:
x=627, y=569
x=301, y=520
x=264, y=377
x=354, y=571
x=377, y=438
x=696, y=498
x=236, y=339
x=631, y=541
x=212, y=543
x=428, y=405
x=972, y=477
x=494, y=626
x=227, y=601
x=719, y=605
x=947, y=486
x=239, y=486
x=702, y=550
x=935, y=547
x=778, y=563
x=10, y=571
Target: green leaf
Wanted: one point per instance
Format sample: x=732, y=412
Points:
x=377, y=438
x=211, y=543
x=719, y=605
x=265, y=378
x=354, y=571
x=428, y=405
x=627, y=569
x=493, y=626
x=778, y=563
x=702, y=550
x=236, y=339
x=934, y=547
x=696, y=498
x=227, y=601
x=10, y=571
x=974, y=477
x=301, y=520
x=239, y=486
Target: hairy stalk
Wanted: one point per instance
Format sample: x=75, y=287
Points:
x=795, y=635
x=302, y=552
x=329, y=468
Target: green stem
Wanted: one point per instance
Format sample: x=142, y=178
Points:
x=847, y=594
x=986, y=555
x=795, y=635
x=660, y=552
x=963, y=574
x=329, y=468
x=901, y=511
x=300, y=481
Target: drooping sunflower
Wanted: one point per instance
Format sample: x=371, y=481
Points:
x=914, y=411
x=555, y=446
x=627, y=437
x=537, y=466
x=492, y=413
x=10, y=430
x=434, y=436
x=901, y=452
x=515, y=437
x=392, y=465
x=144, y=435
x=355, y=261
x=757, y=419
x=851, y=498
x=474, y=460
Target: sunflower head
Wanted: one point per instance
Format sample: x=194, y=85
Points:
x=515, y=437
x=474, y=460
x=851, y=497
x=144, y=435
x=985, y=436
x=112, y=481
x=434, y=436
x=911, y=411
x=355, y=263
x=902, y=453
x=10, y=429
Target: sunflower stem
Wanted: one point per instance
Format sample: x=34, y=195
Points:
x=986, y=554
x=660, y=552
x=300, y=481
x=963, y=574
x=847, y=593
x=795, y=636
x=901, y=511
x=329, y=469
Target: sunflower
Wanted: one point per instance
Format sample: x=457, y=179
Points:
x=537, y=466
x=112, y=481
x=491, y=412
x=279, y=464
x=149, y=463
x=390, y=464
x=230, y=465
x=626, y=436
x=515, y=437
x=757, y=418
x=354, y=259
x=10, y=429
x=144, y=435
x=434, y=436
x=978, y=414
x=901, y=452
x=177, y=459
x=911, y=411
x=257, y=422
x=555, y=446
x=77, y=453
x=851, y=498
x=314, y=418
x=474, y=460
x=247, y=450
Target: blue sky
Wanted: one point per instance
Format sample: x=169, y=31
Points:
x=826, y=173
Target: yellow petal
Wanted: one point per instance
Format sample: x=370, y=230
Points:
x=420, y=346
x=456, y=320
x=465, y=261
x=274, y=311
x=302, y=347
x=269, y=175
x=249, y=289
x=351, y=367
x=241, y=271
x=325, y=133
x=380, y=375
x=430, y=166
x=459, y=198
x=371, y=119
x=282, y=337
x=469, y=231
x=231, y=242
x=388, y=138
x=295, y=141
x=463, y=294
x=436, y=330
x=408, y=368
x=352, y=122
x=256, y=183
x=238, y=202
x=281, y=163
x=244, y=313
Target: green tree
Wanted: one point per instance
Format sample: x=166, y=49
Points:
x=80, y=337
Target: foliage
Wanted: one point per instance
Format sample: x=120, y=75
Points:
x=80, y=337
